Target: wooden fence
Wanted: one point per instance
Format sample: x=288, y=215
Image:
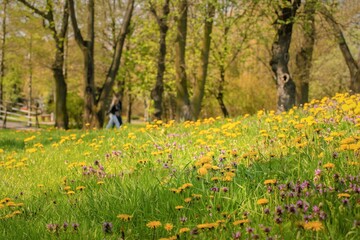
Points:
x=22, y=116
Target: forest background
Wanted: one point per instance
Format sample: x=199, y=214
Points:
x=175, y=59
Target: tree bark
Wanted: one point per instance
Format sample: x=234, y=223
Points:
x=2, y=59
x=286, y=90
x=183, y=106
x=351, y=63
x=61, y=115
x=220, y=94
x=87, y=48
x=304, y=55
x=158, y=90
x=205, y=52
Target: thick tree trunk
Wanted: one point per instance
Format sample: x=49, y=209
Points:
x=286, y=90
x=87, y=48
x=183, y=107
x=62, y=119
x=199, y=89
x=304, y=55
x=157, y=91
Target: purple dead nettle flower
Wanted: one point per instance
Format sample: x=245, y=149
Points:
x=249, y=230
x=335, y=155
x=183, y=219
x=281, y=187
x=308, y=217
x=215, y=189
x=97, y=162
x=279, y=210
x=269, y=189
x=225, y=189
x=322, y=215
x=305, y=185
x=317, y=172
x=278, y=220
x=345, y=201
x=246, y=214
x=65, y=226
x=299, y=204
x=255, y=236
x=267, y=230
x=52, y=227
x=194, y=231
x=306, y=207
x=316, y=209
x=236, y=235
x=292, y=208
x=107, y=227
x=266, y=211
x=75, y=226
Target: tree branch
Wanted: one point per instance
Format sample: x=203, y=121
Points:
x=78, y=36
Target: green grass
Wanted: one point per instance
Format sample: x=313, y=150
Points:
x=141, y=171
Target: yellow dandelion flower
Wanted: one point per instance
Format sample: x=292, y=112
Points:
x=240, y=222
x=100, y=182
x=179, y=207
x=187, y=200
x=186, y=185
x=168, y=226
x=1, y=150
x=124, y=217
x=184, y=230
x=270, y=181
x=70, y=193
x=314, y=225
x=40, y=185
x=262, y=201
x=329, y=165
x=11, y=204
x=5, y=200
x=196, y=196
x=202, y=171
x=207, y=225
x=17, y=212
x=345, y=195
x=67, y=188
x=80, y=188
x=153, y=224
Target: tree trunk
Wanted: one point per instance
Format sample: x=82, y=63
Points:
x=62, y=119
x=353, y=66
x=87, y=48
x=183, y=107
x=205, y=52
x=2, y=59
x=157, y=91
x=220, y=94
x=114, y=67
x=286, y=89
x=304, y=55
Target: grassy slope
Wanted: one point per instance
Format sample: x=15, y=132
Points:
x=141, y=171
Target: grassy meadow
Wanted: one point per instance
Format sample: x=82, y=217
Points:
x=268, y=176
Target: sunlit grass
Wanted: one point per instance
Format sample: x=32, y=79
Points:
x=277, y=176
